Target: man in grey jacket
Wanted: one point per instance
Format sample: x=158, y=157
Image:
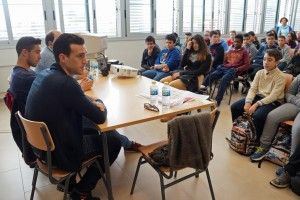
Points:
x=284, y=49
x=47, y=56
x=287, y=111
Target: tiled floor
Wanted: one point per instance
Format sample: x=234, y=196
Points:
x=233, y=176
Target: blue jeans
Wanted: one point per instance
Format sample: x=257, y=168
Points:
x=226, y=75
x=259, y=116
x=155, y=74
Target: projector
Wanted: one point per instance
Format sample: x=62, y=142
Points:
x=123, y=71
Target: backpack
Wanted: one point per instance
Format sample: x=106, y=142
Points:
x=160, y=156
x=243, y=135
x=279, y=152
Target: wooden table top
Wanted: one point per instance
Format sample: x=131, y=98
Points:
x=125, y=105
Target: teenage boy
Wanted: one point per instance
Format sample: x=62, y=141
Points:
x=253, y=39
x=230, y=41
x=258, y=59
x=249, y=46
x=284, y=49
x=150, y=54
x=236, y=61
x=265, y=94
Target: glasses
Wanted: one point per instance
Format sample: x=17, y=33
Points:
x=150, y=107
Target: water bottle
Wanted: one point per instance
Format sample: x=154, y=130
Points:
x=153, y=93
x=95, y=70
x=166, y=95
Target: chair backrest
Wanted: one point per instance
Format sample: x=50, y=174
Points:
x=288, y=81
x=37, y=133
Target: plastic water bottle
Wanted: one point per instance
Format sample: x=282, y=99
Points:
x=94, y=70
x=166, y=95
x=153, y=93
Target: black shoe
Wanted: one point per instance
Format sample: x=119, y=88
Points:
x=75, y=195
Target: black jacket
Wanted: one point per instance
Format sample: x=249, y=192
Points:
x=57, y=99
x=189, y=70
x=149, y=61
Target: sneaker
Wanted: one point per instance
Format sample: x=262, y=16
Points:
x=281, y=181
x=134, y=147
x=75, y=195
x=279, y=171
x=259, y=154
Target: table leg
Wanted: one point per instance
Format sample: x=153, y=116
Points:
x=107, y=166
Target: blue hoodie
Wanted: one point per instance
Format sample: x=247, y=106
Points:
x=170, y=57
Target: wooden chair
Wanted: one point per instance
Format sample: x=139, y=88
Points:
x=167, y=172
x=39, y=137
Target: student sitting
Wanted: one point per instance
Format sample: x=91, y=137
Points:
x=258, y=59
x=207, y=37
x=187, y=37
x=287, y=111
x=293, y=66
x=291, y=169
x=28, y=50
x=47, y=57
x=167, y=60
x=150, y=54
x=236, y=62
x=216, y=49
x=230, y=41
x=196, y=61
x=265, y=94
x=284, y=49
x=254, y=40
x=222, y=41
x=249, y=46
x=291, y=40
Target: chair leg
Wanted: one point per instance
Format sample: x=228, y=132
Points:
x=35, y=175
x=197, y=175
x=213, y=92
x=230, y=93
x=162, y=187
x=210, y=185
x=67, y=183
x=175, y=174
x=102, y=174
x=136, y=175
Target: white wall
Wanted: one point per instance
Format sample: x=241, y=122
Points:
x=128, y=52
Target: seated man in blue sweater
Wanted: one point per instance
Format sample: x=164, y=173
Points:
x=56, y=98
x=168, y=60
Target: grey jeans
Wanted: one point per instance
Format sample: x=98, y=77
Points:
x=284, y=112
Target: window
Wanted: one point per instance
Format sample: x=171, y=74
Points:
x=297, y=18
x=140, y=16
x=253, y=16
x=73, y=15
x=270, y=14
x=187, y=15
x=236, y=15
x=106, y=17
x=3, y=31
x=32, y=11
x=219, y=15
x=198, y=16
x=285, y=9
x=165, y=16
x=208, y=15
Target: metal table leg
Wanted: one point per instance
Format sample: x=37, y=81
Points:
x=107, y=166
